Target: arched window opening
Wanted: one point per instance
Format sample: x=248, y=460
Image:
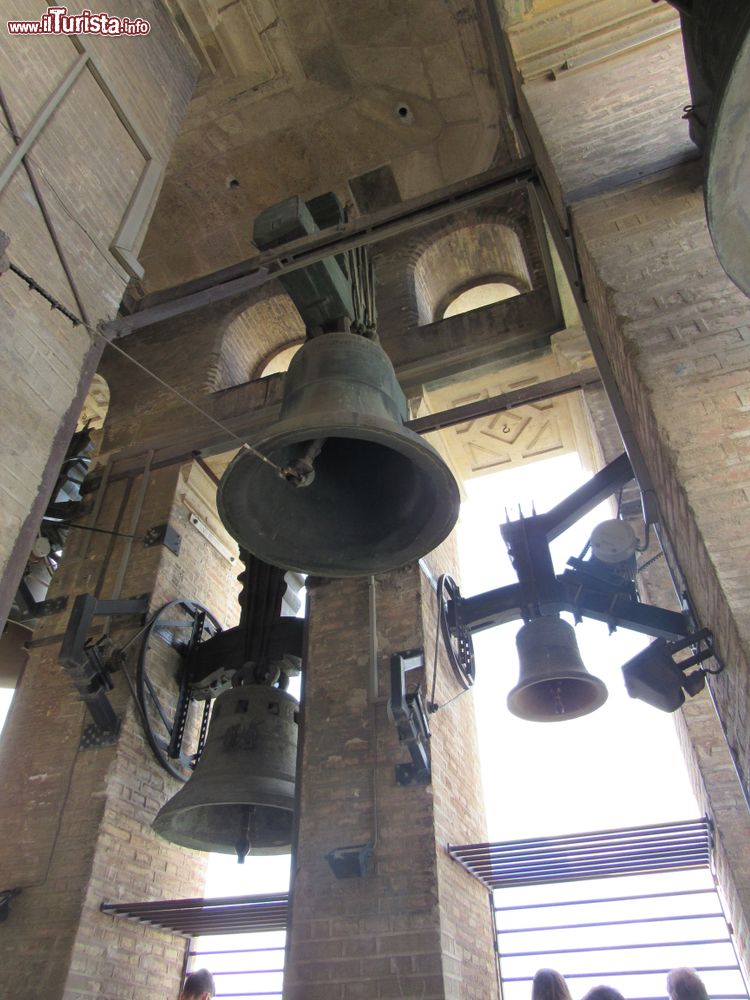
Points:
x=479, y=255
x=280, y=360
x=256, y=336
x=484, y=294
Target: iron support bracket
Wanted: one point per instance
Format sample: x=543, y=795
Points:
x=163, y=534
x=409, y=713
x=88, y=669
x=580, y=590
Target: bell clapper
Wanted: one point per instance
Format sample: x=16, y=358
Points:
x=245, y=842
x=300, y=471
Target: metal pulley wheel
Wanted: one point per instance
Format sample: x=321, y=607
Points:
x=174, y=723
x=456, y=637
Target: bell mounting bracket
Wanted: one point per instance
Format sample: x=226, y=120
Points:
x=582, y=589
x=90, y=664
x=408, y=711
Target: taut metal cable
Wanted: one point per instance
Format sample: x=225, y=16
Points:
x=185, y=399
x=77, y=321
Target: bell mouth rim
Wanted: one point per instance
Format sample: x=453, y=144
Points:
x=591, y=682
x=163, y=826
x=348, y=425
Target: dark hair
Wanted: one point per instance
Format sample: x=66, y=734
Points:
x=549, y=985
x=198, y=983
x=686, y=984
x=604, y=993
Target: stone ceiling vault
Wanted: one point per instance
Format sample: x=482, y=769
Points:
x=298, y=97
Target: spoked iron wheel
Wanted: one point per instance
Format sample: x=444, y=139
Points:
x=175, y=724
x=456, y=638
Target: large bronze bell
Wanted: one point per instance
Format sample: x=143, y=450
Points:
x=554, y=684
x=363, y=495
x=716, y=37
x=240, y=799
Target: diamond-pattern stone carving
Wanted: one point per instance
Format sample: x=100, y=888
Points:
x=510, y=437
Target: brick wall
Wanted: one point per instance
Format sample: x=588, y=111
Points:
x=397, y=263
x=676, y=330
x=87, y=167
x=75, y=823
x=680, y=355
x=417, y=924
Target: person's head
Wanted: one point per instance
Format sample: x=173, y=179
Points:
x=603, y=993
x=685, y=984
x=198, y=986
x=549, y=985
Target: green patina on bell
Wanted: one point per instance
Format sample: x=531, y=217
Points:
x=364, y=494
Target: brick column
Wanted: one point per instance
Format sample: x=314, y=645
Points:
x=75, y=822
x=417, y=924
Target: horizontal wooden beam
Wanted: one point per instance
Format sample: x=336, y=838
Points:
x=210, y=441
x=256, y=271
x=505, y=401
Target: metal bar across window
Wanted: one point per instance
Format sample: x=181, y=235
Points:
x=578, y=857
x=548, y=870
x=607, y=923
x=605, y=899
x=627, y=972
x=613, y=947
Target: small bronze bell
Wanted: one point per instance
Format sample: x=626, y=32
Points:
x=553, y=684
x=363, y=494
x=240, y=799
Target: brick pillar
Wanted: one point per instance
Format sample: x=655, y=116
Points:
x=417, y=925
x=75, y=823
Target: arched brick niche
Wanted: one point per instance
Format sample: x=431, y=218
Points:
x=418, y=274
x=479, y=253
x=476, y=295
x=257, y=334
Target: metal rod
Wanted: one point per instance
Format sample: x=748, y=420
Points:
x=504, y=401
x=246, y=972
x=604, y=899
x=257, y=271
x=616, y=855
x=609, y=833
x=584, y=875
x=120, y=578
x=43, y=208
x=611, y=923
x=199, y=903
x=613, y=947
x=593, y=851
x=627, y=972
x=203, y=464
x=23, y=145
x=530, y=851
x=238, y=951
x=47, y=296
x=373, y=639
x=503, y=875
x=219, y=996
